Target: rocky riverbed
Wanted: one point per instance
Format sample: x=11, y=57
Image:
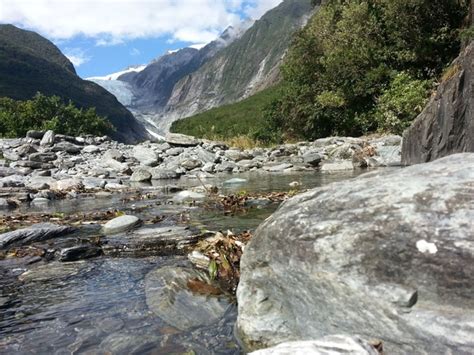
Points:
x=91, y=260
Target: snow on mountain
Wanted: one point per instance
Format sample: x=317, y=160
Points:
x=115, y=76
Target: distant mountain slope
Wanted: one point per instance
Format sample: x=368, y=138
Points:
x=29, y=63
x=153, y=86
x=246, y=66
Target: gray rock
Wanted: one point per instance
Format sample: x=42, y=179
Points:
x=121, y=224
x=190, y=164
x=26, y=149
x=151, y=241
x=277, y=168
x=174, y=151
x=48, y=139
x=385, y=256
x=35, y=233
x=338, y=165
x=115, y=165
x=168, y=296
x=68, y=185
x=140, y=175
x=79, y=252
x=312, y=158
x=163, y=174
x=182, y=140
x=40, y=183
x=6, y=204
x=237, y=155
x=446, y=125
x=55, y=271
x=146, y=156
x=226, y=166
x=114, y=154
x=11, y=155
x=91, y=149
x=43, y=157
x=13, y=181
x=67, y=147
x=35, y=134
x=334, y=344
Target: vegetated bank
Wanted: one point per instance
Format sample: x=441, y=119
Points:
x=357, y=67
x=49, y=113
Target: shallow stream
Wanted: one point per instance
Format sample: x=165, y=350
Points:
x=99, y=306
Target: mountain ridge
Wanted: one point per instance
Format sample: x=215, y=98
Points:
x=29, y=63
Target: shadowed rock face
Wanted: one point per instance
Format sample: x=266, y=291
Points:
x=446, y=126
x=385, y=256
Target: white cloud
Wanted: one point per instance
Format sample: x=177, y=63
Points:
x=77, y=56
x=111, y=22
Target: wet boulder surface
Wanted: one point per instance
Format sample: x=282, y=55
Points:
x=386, y=256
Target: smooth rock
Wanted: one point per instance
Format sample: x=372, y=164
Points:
x=48, y=139
x=334, y=344
x=121, y=224
x=183, y=196
x=339, y=165
x=277, y=168
x=35, y=134
x=79, y=252
x=146, y=156
x=182, y=140
x=91, y=149
x=68, y=185
x=168, y=296
x=151, y=241
x=114, y=154
x=387, y=256
x=140, y=175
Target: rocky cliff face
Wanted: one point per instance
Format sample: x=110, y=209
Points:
x=30, y=63
x=446, y=126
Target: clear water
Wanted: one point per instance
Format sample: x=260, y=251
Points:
x=100, y=308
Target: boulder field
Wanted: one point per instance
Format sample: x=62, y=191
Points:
x=387, y=257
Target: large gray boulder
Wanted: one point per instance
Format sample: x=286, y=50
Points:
x=446, y=126
x=389, y=256
x=335, y=344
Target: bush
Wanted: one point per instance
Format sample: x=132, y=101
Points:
x=401, y=102
x=347, y=70
x=43, y=113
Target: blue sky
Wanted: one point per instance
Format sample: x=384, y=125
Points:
x=104, y=36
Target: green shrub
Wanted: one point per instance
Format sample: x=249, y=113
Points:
x=401, y=102
x=43, y=113
x=347, y=70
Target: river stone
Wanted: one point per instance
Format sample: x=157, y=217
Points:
x=168, y=296
x=277, y=168
x=312, y=158
x=67, y=147
x=35, y=134
x=140, y=175
x=335, y=344
x=388, y=256
x=6, y=204
x=91, y=149
x=48, y=138
x=34, y=233
x=114, y=154
x=338, y=165
x=182, y=140
x=152, y=241
x=121, y=224
x=79, y=252
x=55, y=271
x=146, y=156
x=163, y=174
x=67, y=185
